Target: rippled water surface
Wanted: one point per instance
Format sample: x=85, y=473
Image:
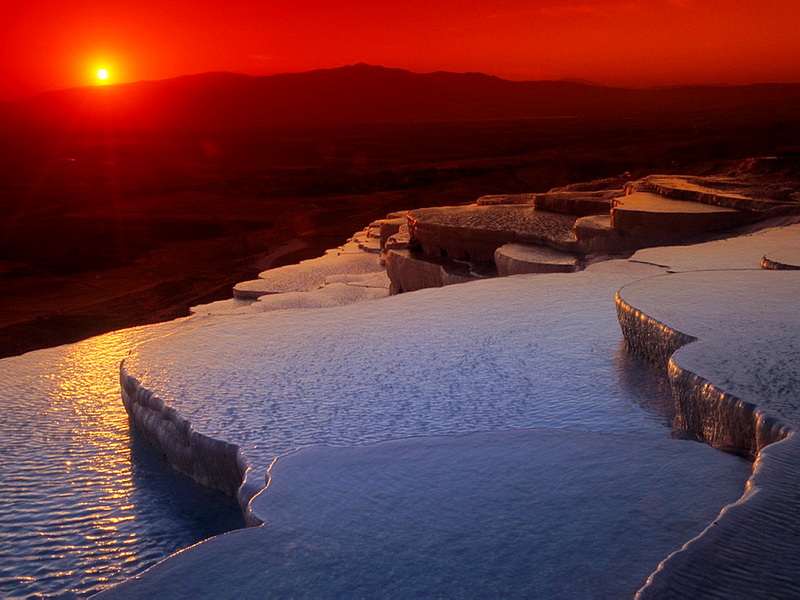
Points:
x=85, y=503
x=498, y=354
x=517, y=514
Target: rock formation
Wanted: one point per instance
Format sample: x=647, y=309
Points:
x=565, y=228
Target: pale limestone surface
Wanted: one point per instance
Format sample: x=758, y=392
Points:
x=371, y=280
x=751, y=549
x=695, y=185
x=648, y=202
x=737, y=384
x=517, y=259
x=656, y=218
x=731, y=192
x=333, y=294
x=336, y=290
x=710, y=301
x=221, y=306
x=788, y=259
x=741, y=252
x=748, y=330
x=333, y=375
x=345, y=275
x=309, y=274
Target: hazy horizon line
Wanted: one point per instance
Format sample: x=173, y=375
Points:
x=568, y=79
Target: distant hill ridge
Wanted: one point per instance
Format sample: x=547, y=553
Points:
x=364, y=93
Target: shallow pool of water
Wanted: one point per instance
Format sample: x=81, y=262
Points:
x=85, y=502
x=506, y=353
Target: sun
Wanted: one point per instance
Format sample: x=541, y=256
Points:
x=102, y=74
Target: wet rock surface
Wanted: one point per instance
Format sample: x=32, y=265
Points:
x=732, y=389
x=733, y=368
x=452, y=516
x=788, y=259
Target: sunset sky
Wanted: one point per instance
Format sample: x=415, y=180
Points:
x=53, y=44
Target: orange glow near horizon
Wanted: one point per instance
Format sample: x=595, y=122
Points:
x=631, y=43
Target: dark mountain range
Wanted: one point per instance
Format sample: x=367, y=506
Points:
x=370, y=94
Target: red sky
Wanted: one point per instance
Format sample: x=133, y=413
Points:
x=52, y=44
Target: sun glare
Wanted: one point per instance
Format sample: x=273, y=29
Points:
x=102, y=74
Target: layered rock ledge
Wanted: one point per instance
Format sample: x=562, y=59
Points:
x=782, y=260
x=475, y=232
x=613, y=216
x=733, y=371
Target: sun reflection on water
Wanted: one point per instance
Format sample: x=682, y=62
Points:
x=78, y=505
x=88, y=383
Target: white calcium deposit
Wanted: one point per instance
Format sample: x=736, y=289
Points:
x=523, y=352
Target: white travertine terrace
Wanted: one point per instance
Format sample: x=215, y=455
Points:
x=467, y=516
x=731, y=342
x=740, y=252
x=452, y=244
x=517, y=259
x=648, y=215
x=310, y=274
x=474, y=232
x=410, y=272
x=718, y=191
x=787, y=259
x=725, y=329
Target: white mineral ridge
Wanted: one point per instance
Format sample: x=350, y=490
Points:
x=787, y=258
x=535, y=513
x=741, y=252
x=516, y=259
x=518, y=352
x=310, y=274
x=337, y=290
x=341, y=276
x=221, y=306
x=748, y=331
x=373, y=280
x=648, y=202
x=334, y=294
x=484, y=355
x=737, y=384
